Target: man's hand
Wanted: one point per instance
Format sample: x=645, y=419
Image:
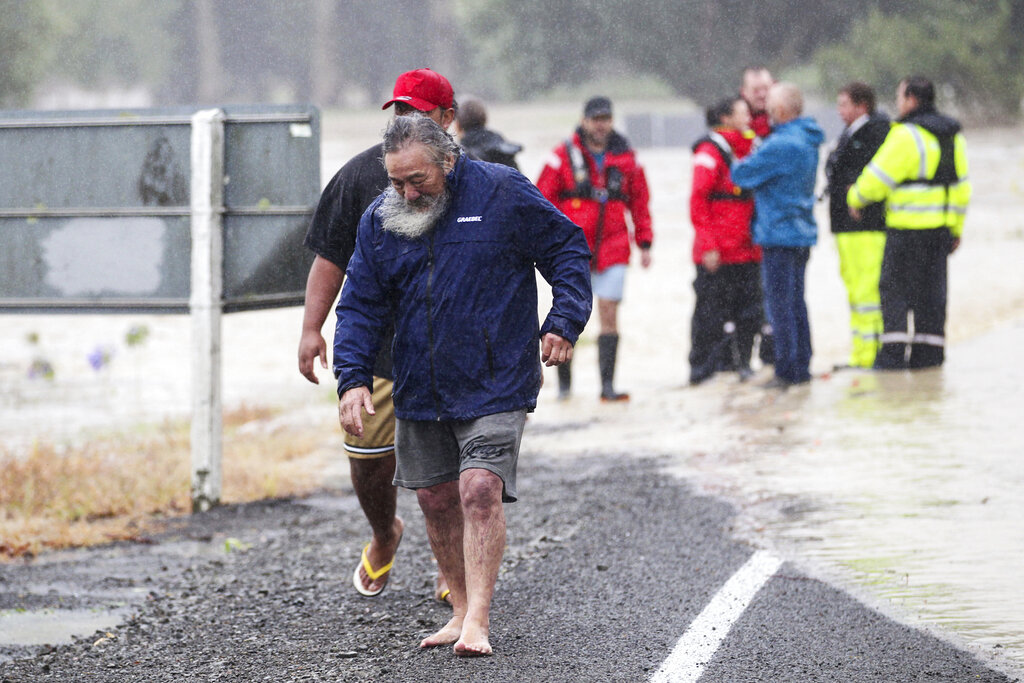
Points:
x=854, y=213
x=311, y=345
x=645, y=258
x=555, y=350
x=954, y=244
x=350, y=409
x=711, y=260
x=322, y=287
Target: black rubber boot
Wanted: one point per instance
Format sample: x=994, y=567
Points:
x=564, y=380
x=607, y=350
x=766, y=352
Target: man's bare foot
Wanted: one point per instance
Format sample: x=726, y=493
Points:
x=379, y=556
x=441, y=592
x=447, y=635
x=473, y=642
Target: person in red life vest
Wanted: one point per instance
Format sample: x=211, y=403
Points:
x=754, y=89
x=728, y=311
x=594, y=179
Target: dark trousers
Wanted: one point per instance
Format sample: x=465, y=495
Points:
x=732, y=294
x=783, y=269
x=913, y=282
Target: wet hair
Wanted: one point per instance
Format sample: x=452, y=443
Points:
x=472, y=114
x=404, y=130
x=860, y=93
x=921, y=89
x=723, y=107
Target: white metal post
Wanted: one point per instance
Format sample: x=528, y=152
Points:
x=205, y=305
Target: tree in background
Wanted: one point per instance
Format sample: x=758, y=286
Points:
x=348, y=52
x=103, y=43
x=972, y=51
x=26, y=32
x=521, y=49
x=698, y=47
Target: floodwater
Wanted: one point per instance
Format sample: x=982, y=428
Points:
x=45, y=627
x=904, y=488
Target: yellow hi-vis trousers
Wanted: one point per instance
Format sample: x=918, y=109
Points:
x=860, y=265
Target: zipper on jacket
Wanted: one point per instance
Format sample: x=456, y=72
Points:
x=430, y=325
x=490, y=354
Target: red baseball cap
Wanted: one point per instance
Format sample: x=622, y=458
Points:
x=422, y=89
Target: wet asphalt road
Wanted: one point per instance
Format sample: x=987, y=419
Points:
x=608, y=564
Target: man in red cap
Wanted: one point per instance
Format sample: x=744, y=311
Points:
x=424, y=91
x=332, y=237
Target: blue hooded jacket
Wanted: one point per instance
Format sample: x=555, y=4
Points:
x=463, y=298
x=782, y=173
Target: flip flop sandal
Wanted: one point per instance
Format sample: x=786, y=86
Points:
x=374, y=574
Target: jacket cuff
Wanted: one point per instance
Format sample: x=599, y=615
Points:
x=350, y=383
x=644, y=245
x=558, y=327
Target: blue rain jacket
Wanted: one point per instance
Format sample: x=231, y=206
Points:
x=782, y=173
x=463, y=298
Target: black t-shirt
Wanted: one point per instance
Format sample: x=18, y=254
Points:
x=332, y=232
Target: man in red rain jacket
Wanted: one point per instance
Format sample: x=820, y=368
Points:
x=595, y=180
x=728, y=310
x=754, y=89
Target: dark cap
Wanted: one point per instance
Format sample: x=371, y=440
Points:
x=422, y=89
x=597, y=106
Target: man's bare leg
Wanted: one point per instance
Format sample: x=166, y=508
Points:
x=484, y=544
x=442, y=512
x=608, y=314
x=372, y=481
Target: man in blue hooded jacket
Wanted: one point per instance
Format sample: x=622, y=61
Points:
x=782, y=174
x=447, y=254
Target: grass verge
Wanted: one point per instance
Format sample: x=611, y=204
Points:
x=121, y=486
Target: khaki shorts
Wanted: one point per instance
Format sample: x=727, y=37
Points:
x=378, y=439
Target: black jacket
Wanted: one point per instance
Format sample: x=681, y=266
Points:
x=843, y=168
x=487, y=145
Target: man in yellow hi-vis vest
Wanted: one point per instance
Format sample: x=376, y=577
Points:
x=920, y=171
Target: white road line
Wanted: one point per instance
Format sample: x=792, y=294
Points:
x=698, y=645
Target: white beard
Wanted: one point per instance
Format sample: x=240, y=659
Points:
x=411, y=220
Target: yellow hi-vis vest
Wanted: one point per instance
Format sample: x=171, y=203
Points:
x=899, y=175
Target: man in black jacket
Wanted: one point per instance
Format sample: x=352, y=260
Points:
x=479, y=141
x=861, y=243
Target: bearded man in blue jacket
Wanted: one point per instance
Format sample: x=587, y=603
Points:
x=447, y=255
x=782, y=174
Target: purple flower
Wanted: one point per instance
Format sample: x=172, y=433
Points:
x=40, y=369
x=99, y=357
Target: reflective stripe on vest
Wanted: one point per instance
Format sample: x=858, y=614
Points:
x=926, y=202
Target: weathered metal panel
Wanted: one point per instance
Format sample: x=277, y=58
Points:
x=95, y=205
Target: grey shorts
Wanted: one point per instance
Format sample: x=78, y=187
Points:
x=428, y=453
